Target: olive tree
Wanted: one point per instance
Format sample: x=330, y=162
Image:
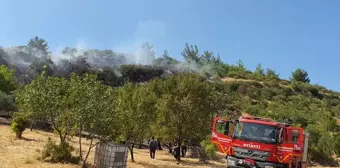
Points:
x=45, y=99
x=185, y=107
x=136, y=106
x=92, y=106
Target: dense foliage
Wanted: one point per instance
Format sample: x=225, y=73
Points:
x=112, y=98
x=19, y=124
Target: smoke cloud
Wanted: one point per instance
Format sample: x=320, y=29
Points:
x=137, y=50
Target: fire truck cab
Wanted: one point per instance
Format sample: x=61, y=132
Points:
x=260, y=143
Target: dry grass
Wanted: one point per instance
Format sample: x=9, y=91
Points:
x=24, y=153
x=228, y=79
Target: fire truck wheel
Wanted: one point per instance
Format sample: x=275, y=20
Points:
x=299, y=165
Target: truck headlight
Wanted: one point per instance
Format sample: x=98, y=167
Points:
x=231, y=163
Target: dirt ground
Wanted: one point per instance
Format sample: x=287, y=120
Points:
x=24, y=153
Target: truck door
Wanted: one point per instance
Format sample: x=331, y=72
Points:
x=291, y=144
x=222, y=132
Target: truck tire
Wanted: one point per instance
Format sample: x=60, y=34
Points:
x=299, y=165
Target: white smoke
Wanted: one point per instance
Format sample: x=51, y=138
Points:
x=129, y=52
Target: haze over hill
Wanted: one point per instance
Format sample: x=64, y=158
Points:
x=260, y=92
x=278, y=35
x=135, y=71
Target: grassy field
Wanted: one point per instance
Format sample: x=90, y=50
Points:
x=24, y=153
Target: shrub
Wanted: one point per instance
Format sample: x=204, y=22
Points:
x=337, y=145
x=237, y=74
x=269, y=93
x=19, y=123
x=58, y=153
x=210, y=149
x=315, y=92
x=284, y=82
x=234, y=86
x=139, y=73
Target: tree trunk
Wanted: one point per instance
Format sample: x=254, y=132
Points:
x=61, y=138
x=60, y=135
x=31, y=124
x=64, y=137
x=169, y=147
x=179, y=142
x=83, y=164
x=179, y=146
x=18, y=134
x=131, y=152
x=140, y=145
x=80, y=153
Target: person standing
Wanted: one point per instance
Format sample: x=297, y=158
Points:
x=184, y=148
x=152, y=147
x=159, y=144
x=177, y=153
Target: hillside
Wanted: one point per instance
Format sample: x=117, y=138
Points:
x=312, y=107
x=112, y=98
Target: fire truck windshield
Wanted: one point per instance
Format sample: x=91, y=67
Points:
x=255, y=132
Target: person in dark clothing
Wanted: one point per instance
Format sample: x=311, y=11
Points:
x=159, y=144
x=177, y=153
x=184, y=148
x=152, y=147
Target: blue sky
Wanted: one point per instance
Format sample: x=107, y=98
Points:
x=283, y=35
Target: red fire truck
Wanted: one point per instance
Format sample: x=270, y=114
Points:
x=258, y=142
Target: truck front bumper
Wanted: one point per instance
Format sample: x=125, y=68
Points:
x=234, y=162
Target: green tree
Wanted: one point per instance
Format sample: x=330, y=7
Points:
x=186, y=99
x=136, y=106
x=91, y=106
x=39, y=45
x=300, y=75
x=169, y=59
x=45, y=99
x=241, y=65
x=7, y=83
x=212, y=67
x=165, y=59
x=19, y=124
x=259, y=71
x=191, y=55
x=271, y=74
x=7, y=102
